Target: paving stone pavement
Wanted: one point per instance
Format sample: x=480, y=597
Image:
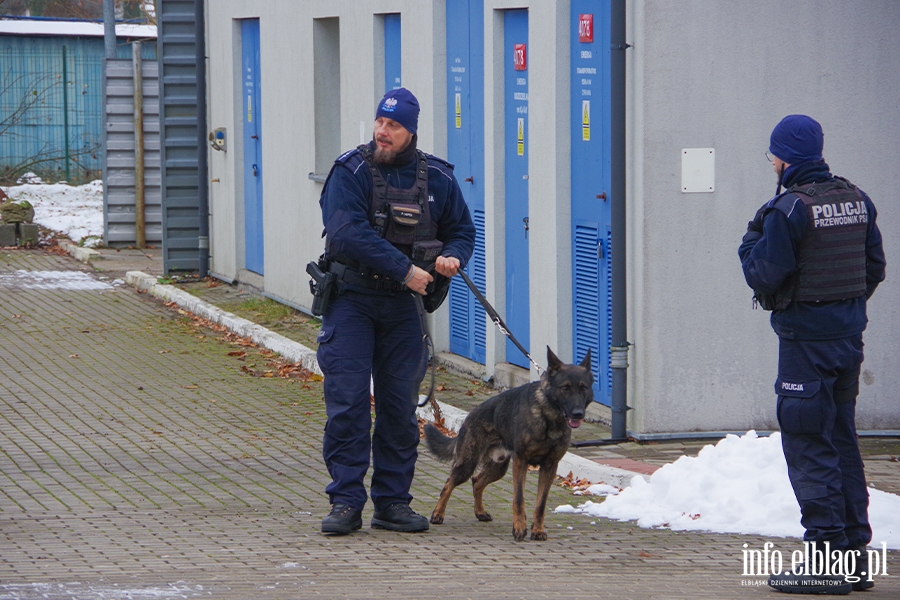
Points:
x=143, y=455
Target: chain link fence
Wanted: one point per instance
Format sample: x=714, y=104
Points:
x=51, y=113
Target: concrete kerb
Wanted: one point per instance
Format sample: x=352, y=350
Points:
x=296, y=352
x=77, y=252
x=291, y=350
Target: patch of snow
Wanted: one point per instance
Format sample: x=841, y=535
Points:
x=76, y=211
x=52, y=280
x=740, y=485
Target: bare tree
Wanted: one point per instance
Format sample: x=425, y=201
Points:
x=85, y=10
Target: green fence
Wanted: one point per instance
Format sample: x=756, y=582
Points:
x=51, y=107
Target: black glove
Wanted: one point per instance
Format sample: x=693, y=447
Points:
x=757, y=223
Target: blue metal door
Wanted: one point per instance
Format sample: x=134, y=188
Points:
x=392, y=64
x=591, y=167
x=253, y=197
x=515, y=59
x=465, y=149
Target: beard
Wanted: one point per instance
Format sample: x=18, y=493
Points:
x=383, y=156
x=390, y=157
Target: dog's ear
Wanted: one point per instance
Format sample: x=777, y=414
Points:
x=553, y=363
x=586, y=363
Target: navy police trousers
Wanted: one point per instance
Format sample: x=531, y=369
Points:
x=377, y=336
x=817, y=385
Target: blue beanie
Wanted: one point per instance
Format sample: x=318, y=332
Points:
x=797, y=139
x=401, y=106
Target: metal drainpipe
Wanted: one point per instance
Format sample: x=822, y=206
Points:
x=109, y=27
x=619, y=350
x=202, y=162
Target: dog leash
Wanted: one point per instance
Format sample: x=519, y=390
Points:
x=427, y=353
x=497, y=320
x=428, y=346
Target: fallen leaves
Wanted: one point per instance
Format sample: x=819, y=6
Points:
x=576, y=484
x=439, y=423
x=278, y=367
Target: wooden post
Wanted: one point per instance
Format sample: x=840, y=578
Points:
x=139, y=223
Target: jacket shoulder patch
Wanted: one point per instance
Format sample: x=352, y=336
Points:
x=350, y=159
x=440, y=162
x=785, y=202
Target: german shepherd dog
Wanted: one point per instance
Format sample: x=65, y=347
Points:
x=530, y=425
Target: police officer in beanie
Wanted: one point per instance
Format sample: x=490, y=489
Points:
x=395, y=223
x=813, y=256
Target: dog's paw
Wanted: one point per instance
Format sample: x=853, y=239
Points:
x=436, y=519
x=485, y=516
x=539, y=536
x=519, y=534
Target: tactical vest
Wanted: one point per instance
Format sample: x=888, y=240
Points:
x=401, y=216
x=831, y=258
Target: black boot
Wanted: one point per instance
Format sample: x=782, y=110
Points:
x=342, y=520
x=399, y=517
x=862, y=570
x=810, y=584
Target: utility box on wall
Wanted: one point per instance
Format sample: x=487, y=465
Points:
x=698, y=170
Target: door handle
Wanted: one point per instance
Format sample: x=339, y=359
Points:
x=470, y=179
x=255, y=171
x=525, y=220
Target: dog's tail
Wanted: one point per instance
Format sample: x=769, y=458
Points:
x=440, y=445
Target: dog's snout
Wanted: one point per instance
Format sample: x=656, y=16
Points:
x=577, y=414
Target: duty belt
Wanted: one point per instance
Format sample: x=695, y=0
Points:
x=363, y=277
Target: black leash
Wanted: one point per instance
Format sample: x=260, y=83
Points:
x=497, y=320
x=427, y=348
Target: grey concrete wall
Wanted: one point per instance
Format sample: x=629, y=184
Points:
x=721, y=74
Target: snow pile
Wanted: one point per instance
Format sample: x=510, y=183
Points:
x=76, y=211
x=740, y=485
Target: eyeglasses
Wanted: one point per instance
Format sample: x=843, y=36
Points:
x=770, y=157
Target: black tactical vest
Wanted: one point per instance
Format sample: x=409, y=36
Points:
x=401, y=216
x=831, y=258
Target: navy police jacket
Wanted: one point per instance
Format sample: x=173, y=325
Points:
x=768, y=259
x=345, y=204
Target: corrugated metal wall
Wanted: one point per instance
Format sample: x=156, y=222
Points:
x=179, y=142
x=64, y=102
x=119, y=191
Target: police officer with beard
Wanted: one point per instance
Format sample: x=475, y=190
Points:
x=395, y=223
x=813, y=256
